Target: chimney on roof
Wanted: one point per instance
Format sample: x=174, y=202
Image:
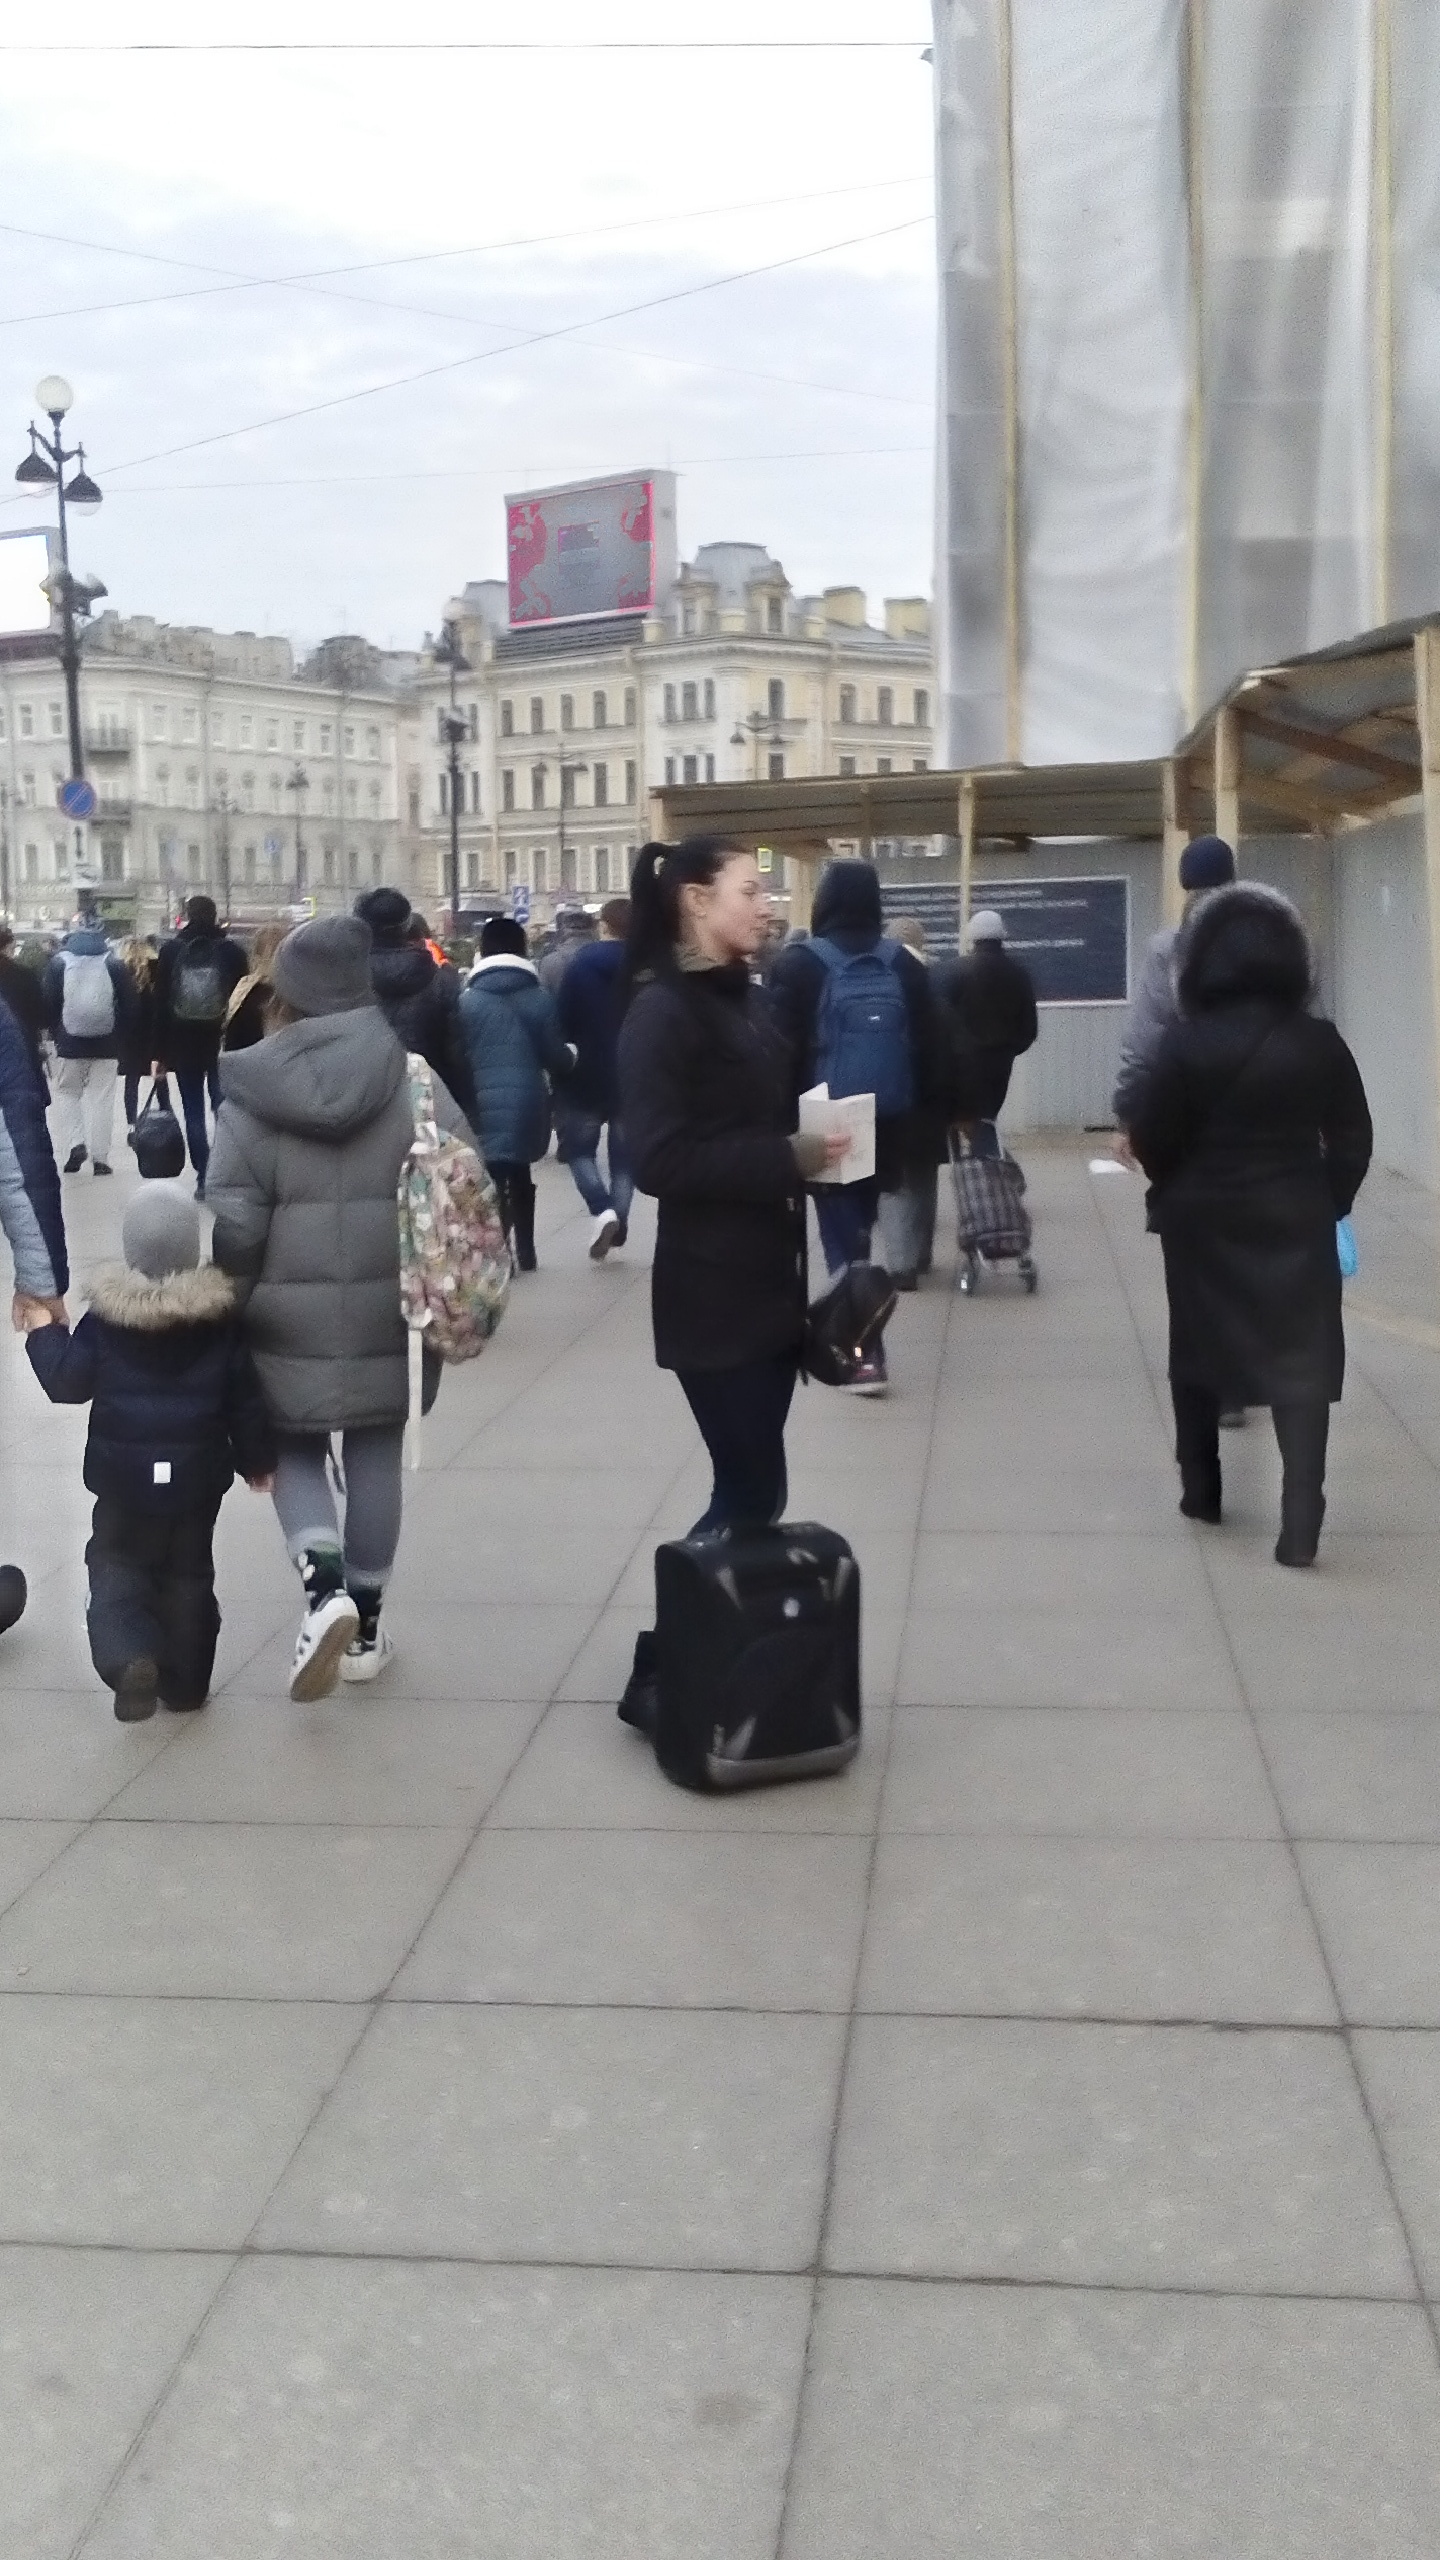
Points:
x=907, y=617
x=847, y=605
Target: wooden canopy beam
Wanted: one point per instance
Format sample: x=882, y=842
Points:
x=1330, y=746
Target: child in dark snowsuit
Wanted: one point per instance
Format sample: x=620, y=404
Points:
x=176, y=1412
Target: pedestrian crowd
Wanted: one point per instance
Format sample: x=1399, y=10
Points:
x=674, y=1037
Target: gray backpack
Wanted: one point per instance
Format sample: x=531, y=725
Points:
x=87, y=1000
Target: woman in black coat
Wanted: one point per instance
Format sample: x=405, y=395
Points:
x=707, y=1103
x=1254, y=1130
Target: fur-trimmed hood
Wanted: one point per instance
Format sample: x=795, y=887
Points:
x=126, y=1298
x=1243, y=944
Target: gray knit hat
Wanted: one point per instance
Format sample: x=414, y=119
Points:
x=161, y=1233
x=987, y=926
x=324, y=966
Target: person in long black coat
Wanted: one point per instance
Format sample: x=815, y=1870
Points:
x=708, y=1107
x=1254, y=1130
x=988, y=1002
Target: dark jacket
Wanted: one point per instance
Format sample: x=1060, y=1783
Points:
x=1254, y=1130
x=589, y=1002
x=847, y=912
x=23, y=991
x=311, y=1134
x=185, y=1045
x=706, y=1099
x=175, y=1404
x=244, y=1023
x=421, y=1003
x=88, y=942
x=512, y=1036
x=989, y=1011
x=29, y=1184
x=138, y=1051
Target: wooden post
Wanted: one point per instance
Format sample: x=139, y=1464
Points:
x=1382, y=269
x=1427, y=714
x=967, y=848
x=1010, y=386
x=800, y=881
x=1195, y=421
x=1227, y=778
x=1174, y=836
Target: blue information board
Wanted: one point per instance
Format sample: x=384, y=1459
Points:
x=1073, y=935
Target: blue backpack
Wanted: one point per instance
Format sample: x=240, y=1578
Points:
x=863, y=1026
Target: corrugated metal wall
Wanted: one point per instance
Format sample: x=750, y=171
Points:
x=1384, y=1000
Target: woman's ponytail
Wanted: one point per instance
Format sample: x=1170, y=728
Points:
x=661, y=872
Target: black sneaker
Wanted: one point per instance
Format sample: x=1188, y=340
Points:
x=638, y=1705
x=98, y=1167
x=137, y=1690
x=75, y=1159
x=14, y=1592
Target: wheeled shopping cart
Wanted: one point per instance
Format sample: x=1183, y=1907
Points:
x=993, y=1223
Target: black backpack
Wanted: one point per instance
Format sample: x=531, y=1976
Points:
x=197, y=990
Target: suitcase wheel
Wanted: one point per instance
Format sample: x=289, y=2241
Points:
x=969, y=1275
x=1030, y=1276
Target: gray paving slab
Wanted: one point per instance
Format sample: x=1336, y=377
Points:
x=649, y=1919
x=583, y=1771
x=155, y=2124
x=89, y=2339
x=1034, y=2425
x=484, y=1650
x=1377, y=1908
x=63, y=1757
x=1110, y=1773
x=1084, y=1657
x=1356, y=1776
x=1028, y=1572
x=26, y=1850
x=357, y=2412
x=1178, y=2156
x=581, y=2136
x=358, y=1757
x=288, y=1911
x=1142, y=1929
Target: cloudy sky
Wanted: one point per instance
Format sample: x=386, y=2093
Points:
x=497, y=245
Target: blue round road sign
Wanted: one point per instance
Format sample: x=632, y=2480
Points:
x=77, y=798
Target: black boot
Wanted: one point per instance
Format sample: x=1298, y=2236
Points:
x=1303, y=1432
x=1197, y=1449
x=1200, y=1491
x=525, y=1233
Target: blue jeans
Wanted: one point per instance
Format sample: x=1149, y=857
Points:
x=845, y=1212
x=742, y=1414
x=580, y=1146
x=194, y=1084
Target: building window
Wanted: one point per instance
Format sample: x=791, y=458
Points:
x=883, y=765
x=475, y=795
x=347, y=739
x=27, y=720
x=247, y=790
x=472, y=871
x=472, y=714
x=774, y=613
x=599, y=711
x=669, y=711
x=272, y=733
x=601, y=788
x=847, y=764
x=507, y=789
x=537, y=714
x=602, y=868
x=247, y=729
x=297, y=736
x=57, y=723
x=567, y=710
x=512, y=866
x=507, y=719
x=709, y=768
x=27, y=789
x=327, y=737
x=538, y=866
x=709, y=697
x=162, y=786
x=690, y=770
x=32, y=862
x=922, y=710
x=885, y=706
x=352, y=795
x=372, y=744
x=689, y=702
x=112, y=862
x=631, y=778
x=61, y=851
x=777, y=699
x=192, y=789
x=157, y=719
x=919, y=764
x=669, y=770
x=537, y=786
x=375, y=799
x=567, y=786
x=193, y=863
x=847, y=709
x=414, y=807
x=444, y=795
x=329, y=860
x=629, y=706
x=250, y=862
x=217, y=728
x=567, y=868
x=777, y=767
x=327, y=792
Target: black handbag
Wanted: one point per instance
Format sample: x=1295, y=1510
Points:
x=159, y=1138
x=844, y=1325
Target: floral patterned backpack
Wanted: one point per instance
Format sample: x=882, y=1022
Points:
x=455, y=1258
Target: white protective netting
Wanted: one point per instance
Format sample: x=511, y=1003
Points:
x=1189, y=400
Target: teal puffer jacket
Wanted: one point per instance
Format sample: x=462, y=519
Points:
x=511, y=1029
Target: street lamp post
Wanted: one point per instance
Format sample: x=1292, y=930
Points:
x=299, y=783
x=448, y=653
x=43, y=468
x=225, y=809
x=568, y=765
x=750, y=731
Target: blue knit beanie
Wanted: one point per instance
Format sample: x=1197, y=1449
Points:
x=1208, y=863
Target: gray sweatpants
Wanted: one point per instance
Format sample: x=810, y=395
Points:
x=371, y=1478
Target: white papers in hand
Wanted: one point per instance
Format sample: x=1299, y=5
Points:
x=850, y=1115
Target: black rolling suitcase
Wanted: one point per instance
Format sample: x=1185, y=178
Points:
x=757, y=1657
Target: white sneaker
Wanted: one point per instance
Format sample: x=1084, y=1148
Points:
x=362, y=1661
x=325, y=1633
x=604, y=1233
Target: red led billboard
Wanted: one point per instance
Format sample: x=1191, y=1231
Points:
x=596, y=547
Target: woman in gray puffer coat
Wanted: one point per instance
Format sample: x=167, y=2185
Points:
x=313, y=1129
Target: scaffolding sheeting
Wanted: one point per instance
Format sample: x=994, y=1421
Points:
x=1190, y=353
